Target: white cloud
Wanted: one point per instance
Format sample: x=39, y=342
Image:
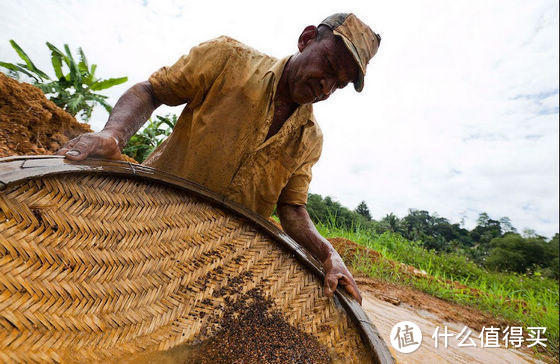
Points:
x=459, y=114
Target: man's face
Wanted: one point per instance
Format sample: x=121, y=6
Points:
x=321, y=67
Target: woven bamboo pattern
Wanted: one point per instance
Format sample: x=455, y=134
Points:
x=97, y=268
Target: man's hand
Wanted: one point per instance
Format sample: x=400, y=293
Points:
x=131, y=111
x=297, y=223
x=102, y=144
x=336, y=273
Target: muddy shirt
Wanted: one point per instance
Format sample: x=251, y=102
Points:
x=219, y=140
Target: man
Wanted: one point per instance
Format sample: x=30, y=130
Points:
x=247, y=131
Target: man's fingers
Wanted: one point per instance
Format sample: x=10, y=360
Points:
x=352, y=288
x=62, y=151
x=91, y=144
x=81, y=149
x=331, y=281
x=69, y=149
x=116, y=154
x=66, y=147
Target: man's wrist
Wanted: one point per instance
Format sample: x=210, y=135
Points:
x=331, y=254
x=116, y=136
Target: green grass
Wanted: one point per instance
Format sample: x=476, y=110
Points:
x=529, y=301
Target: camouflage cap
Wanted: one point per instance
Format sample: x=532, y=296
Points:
x=360, y=40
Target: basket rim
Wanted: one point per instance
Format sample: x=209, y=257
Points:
x=16, y=169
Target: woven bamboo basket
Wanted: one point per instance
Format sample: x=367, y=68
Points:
x=111, y=261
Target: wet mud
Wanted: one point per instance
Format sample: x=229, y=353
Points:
x=387, y=303
x=386, y=314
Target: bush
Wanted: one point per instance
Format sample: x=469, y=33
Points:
x=515, y=253
x=143, y=143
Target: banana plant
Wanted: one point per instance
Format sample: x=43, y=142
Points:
x=74, y=86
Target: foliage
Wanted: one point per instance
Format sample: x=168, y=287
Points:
x=433, y=231
x=328, y=211
x=514, y=253
x=391, y=223
x=363, y=210
x=72, y=89
x=150, y=136
x=489, y=244
x=506, y=225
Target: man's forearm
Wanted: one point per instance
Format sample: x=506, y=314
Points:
x=131, y=111
x=298, y=225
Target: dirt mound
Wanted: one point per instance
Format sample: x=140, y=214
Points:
x=398, y=293
x=448, y=311
x=31, y=124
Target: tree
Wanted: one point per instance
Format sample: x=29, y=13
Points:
x=363, y=210
x=515, y=253
x=390, y=223
x=74, y=90
x=482, y=219
x=552, y=253
x=506, y=225
x=529, y=233
x=332, y=213
x=486, y=230
x=418, y=225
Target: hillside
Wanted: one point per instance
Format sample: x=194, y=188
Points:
x=450, y=291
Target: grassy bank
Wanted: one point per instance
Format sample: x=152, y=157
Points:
x=529, y=301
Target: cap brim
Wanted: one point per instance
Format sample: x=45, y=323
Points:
x=359, y=82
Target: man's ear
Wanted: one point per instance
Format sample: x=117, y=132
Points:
x=307, y=36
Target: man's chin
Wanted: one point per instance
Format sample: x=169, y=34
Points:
x=303, y=100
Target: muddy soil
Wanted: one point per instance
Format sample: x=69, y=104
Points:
x=448, y=311
x=387, y=304
x=30, y=124
x=385, y=314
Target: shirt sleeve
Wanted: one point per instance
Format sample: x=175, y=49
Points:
x=190, y=78
x=295, y=191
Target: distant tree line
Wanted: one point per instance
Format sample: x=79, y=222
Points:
x=494, y=244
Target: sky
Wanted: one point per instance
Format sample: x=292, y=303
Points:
x=459, y=114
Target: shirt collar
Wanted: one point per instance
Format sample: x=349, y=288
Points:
x=275, y=72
